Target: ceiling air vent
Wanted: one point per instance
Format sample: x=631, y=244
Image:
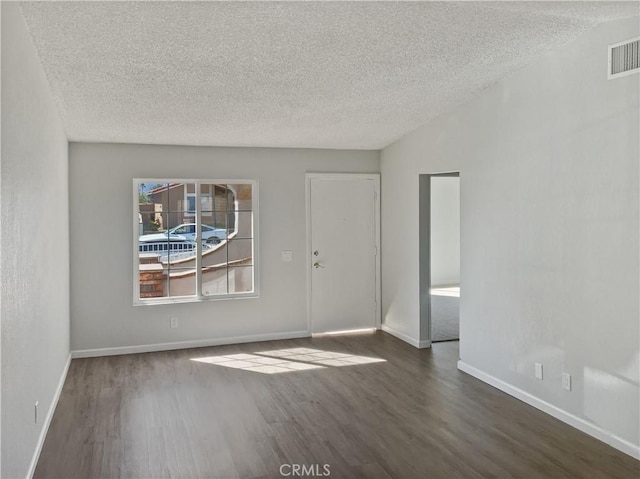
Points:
x=624, y=58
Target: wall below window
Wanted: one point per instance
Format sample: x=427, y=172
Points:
x=35, y=248
x=548, y=162
x=102, y=311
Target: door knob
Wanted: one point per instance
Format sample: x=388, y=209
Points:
x=318, y=265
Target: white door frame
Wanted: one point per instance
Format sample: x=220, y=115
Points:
x=376, y=199
x=424, y=253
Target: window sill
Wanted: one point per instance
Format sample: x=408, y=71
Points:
x=193, y=299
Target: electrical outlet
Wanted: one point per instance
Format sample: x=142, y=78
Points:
x=174, y=323
x=538, y=371
x=566, y=381
x=35, y=413
x=286, y=256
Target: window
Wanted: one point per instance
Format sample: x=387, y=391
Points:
x=191, y=204
x=194, y=240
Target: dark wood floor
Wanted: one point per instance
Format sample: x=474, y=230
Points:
x=413, y=415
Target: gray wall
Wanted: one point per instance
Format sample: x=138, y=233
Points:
x=35, y=246
x=548, y=162
x=102, y=311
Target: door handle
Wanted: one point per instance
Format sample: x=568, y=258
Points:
x=317, y=265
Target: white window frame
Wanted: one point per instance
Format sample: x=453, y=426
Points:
x=198, y=296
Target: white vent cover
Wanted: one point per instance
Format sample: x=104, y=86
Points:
x=624, y=58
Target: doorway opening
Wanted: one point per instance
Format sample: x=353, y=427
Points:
x=439, y=251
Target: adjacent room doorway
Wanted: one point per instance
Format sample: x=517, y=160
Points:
x=343, y=231
x=439, y=257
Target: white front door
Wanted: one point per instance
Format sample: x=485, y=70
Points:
x=343, y=233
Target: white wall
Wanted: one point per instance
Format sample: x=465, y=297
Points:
x=445, y=230
x=102, y=311
x=548, y=162
x=35, y=246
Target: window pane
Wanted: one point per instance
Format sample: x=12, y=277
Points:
x=207, y=192
x=240, y=279
x=152, y=223
x=154, y=194
x=208, y=219
x=214, y=281
x=176, y=197
x=214, y=251
x=212, y=216
x=182, y=282
x=231, y=222
x=206, y=203
x=219, y=196
x=151, y=215
x=182, y=200
x=215, y=219
x=244, y=221
x=152, y=279
x=213, y=235
x=191, y=204
x=243, y=197
x=240, y=251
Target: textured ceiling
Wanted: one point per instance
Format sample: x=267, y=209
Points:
x=309, y=74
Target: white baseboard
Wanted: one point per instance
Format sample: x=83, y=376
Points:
x=47, y=420
x=400, y=335
x=198, y=343
x=564, y=416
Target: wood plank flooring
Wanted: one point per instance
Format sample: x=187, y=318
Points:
x=411, y=414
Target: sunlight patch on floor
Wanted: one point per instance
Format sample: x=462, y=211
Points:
x=318, y=356
x=287, y=360
x=258, y=364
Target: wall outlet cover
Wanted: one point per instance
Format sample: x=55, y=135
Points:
x=538, y=370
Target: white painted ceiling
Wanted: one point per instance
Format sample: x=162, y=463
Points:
x=296, y=74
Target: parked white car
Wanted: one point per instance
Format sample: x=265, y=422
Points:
x=188, y=231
